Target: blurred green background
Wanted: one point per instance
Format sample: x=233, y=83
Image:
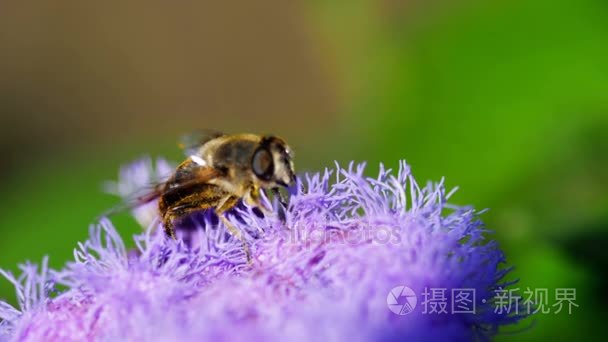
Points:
x=508, y=100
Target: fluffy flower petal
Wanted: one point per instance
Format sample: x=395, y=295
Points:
x=322, y=274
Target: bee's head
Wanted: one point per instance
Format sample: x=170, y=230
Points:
x=272, y=162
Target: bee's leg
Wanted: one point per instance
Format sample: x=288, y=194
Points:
x=254, y=199
x=168, y=226
x=176, y=211
x=226, y=204
x=167, y=216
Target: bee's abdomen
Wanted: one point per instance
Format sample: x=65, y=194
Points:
x=186, y=198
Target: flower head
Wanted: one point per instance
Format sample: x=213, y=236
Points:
x=326, y=272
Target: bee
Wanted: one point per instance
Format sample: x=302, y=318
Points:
x=220, y=171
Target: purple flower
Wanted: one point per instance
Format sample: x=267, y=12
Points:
x=328, y=272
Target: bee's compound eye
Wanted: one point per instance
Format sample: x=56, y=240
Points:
x=262, y=164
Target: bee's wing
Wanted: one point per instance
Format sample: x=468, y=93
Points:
x=190, y=176
x=191, y=142
x=140, y=197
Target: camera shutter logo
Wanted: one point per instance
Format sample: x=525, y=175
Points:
x=401, y=300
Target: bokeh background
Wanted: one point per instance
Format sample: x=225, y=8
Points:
x=508, y=100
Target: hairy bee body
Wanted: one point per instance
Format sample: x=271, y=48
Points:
x=222, y=170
